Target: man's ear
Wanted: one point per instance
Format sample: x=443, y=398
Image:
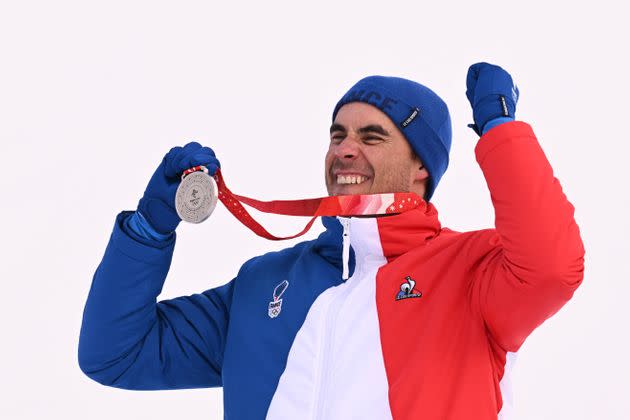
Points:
x=421, y=173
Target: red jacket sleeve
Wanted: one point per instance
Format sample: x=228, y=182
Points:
x=537, y=259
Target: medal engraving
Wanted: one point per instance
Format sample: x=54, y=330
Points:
x=196, y=197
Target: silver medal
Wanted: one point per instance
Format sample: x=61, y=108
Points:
x=196, y=197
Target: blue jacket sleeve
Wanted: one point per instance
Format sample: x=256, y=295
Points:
x=129, y=340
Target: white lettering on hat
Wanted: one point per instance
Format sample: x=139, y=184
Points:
x=410, y=118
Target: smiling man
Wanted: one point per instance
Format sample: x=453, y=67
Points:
x=379, y=317
x=368, y=154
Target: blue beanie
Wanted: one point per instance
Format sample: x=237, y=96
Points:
x=417, y=111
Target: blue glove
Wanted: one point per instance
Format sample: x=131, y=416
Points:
x=491, y=93
x=158, y=203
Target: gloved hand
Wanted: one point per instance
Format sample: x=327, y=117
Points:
x=491, y=93
x=158, y=203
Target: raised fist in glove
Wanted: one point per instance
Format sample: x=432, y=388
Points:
x=158, y=203
x=491, y=93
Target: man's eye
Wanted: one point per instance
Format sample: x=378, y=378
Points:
x=337, y=138
x=372, y=140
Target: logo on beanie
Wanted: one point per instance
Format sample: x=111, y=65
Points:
x=371, y=97
x=410, y=118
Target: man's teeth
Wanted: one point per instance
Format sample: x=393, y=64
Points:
x=350, y=179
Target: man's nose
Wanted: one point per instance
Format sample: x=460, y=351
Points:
x=347, y=149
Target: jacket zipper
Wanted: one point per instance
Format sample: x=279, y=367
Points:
x=345, y=253
x=322, y=388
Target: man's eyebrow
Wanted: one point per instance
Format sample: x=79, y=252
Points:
x=337, y=127
x=373, y=128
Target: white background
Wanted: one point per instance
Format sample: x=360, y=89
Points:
x=93, y=94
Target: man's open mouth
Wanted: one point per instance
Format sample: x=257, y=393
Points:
x=351, y=179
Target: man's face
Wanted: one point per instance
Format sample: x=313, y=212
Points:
x=368, y=155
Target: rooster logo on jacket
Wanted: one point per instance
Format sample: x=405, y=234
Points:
x=407, y=290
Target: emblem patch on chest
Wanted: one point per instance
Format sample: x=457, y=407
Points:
x=275, y=306
x=407, y=290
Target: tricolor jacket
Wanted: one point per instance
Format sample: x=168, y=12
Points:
x=424, y=328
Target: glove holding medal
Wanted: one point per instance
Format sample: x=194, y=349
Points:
x=158, y=203
x=492, y=95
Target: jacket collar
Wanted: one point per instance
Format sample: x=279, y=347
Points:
x=398, y=233
x=406, y=231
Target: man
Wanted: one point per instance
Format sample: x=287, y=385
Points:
x=387, y=315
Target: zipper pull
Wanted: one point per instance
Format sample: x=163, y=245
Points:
x=345, y=222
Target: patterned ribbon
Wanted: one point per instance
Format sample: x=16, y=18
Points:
x=342, y=205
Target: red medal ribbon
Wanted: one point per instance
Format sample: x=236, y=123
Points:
x=342, y=205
